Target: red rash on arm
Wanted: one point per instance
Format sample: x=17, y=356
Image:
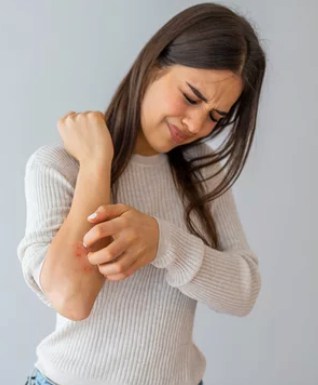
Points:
x=80, y=250
x=81, y=253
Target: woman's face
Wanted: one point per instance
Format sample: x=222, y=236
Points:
x=165, y=104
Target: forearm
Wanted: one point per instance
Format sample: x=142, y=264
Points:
x=69, y=280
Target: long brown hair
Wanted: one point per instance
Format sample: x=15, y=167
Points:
x=209, y=36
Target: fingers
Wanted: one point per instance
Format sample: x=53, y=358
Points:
x=102, y=230
x=114, y=261
x=72, y=113
x=120, y=266
x=109, y=253
x=60, y=121
x=107, y=211
x=68, y=114
x=125, y=274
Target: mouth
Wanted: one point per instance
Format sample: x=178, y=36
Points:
x=176, y=135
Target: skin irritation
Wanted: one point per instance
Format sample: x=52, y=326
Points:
x=81, y=254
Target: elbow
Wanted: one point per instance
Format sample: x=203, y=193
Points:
x=72, y=313
x=249, y=293
x=71, y=310
x=70, y=305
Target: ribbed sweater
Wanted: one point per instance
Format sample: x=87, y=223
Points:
x=140, y=330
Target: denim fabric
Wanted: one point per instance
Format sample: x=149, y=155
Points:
x=37, y=378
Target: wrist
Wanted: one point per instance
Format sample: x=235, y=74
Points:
x=96, y=166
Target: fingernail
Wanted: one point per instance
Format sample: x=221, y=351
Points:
x=92, y=216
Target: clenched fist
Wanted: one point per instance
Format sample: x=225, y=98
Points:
x=86, y=137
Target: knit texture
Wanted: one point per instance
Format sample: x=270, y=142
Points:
x=140, y=329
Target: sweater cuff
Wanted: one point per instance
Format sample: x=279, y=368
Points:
x=179, y=251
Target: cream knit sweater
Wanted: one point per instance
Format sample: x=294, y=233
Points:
x=140, y=329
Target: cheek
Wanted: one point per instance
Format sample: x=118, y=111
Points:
x=160, y=110
x=160, y=103
x=172, y=106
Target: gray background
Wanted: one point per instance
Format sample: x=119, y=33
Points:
x=61, y=56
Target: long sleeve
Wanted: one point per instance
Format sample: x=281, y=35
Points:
x=227, y=280
x=48, y=195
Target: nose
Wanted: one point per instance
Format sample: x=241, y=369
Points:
x=194, y=121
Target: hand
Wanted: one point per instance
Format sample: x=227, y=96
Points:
x=86, y=137
x=136, y=238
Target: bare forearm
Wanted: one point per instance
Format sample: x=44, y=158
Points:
x=69, y=280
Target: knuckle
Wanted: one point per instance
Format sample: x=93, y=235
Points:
x=125, y=221
x=93, y=115
x=107, y=256
x=70, y=116
x=99, y=231
x=90, y=115
x=102, y=208
x=90, y=257
x=99, y=114
x=78, y=116
x=61, y=121
x=130, y=237
x=102, y=270
x=119, y=268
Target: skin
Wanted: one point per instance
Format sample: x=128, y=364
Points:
x=164, y=102
x=135, y=240
x=81, y=253
x=136, y=234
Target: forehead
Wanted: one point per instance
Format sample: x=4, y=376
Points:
x=218, y=86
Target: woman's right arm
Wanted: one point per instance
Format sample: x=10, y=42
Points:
x=69, y=281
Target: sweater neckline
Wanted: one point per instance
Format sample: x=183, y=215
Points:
x=149, y=160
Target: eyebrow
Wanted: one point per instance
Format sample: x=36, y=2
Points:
x=202, y=97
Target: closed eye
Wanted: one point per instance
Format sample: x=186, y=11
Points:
x=191, y=101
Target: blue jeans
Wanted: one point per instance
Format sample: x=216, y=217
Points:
x=37, y=378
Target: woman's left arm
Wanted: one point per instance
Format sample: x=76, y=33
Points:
x=227, y=280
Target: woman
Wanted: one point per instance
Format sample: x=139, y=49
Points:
x=125, y=283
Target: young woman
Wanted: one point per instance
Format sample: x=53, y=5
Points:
x=125, y=283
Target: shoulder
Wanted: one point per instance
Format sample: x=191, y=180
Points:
x=55, y=157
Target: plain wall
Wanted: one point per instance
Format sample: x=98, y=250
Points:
x=62, y=56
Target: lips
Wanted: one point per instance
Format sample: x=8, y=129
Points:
x=177, y=134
